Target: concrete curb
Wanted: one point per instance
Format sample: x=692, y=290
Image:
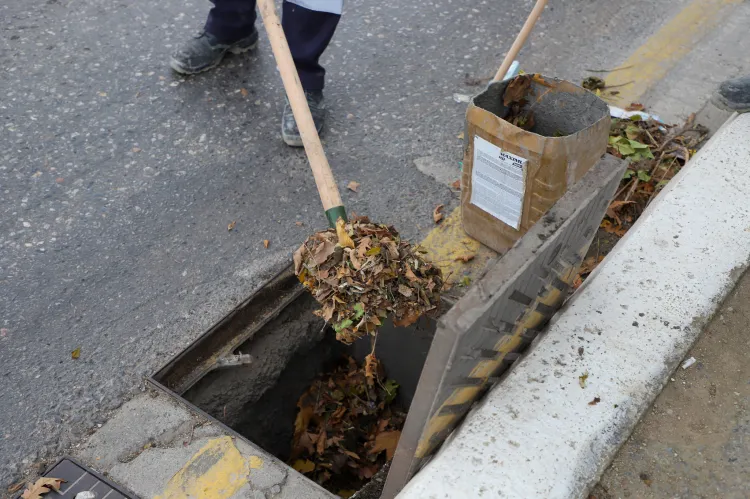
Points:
x=541, y=432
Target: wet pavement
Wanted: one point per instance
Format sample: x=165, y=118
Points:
x=118, y=179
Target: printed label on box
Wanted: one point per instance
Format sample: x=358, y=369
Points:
x=498, y=182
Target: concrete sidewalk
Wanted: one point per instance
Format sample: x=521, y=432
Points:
x=695, y=440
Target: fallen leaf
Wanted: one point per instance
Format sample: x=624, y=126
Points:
x=437, y=216
x=346, y=493
x=582, y=379
x=460, y=136
x=413, y=277
x=590, y=264
x=299, y=224
x=465, y=281
x=577, y=281
x=609, y=227
x=59, y=180
x=517, y=90
x=231, y=225
x=12, y=489
x=345, y=241
x=406, y=321
x=266, y=242
x=386, y=441
x=465, y=258
x=353, y=186
x=646, y=479
x=593, y=82
x=371, y=368
x=595, y=401
x=614, y=207
x=42, y=486
x=102, y=94
x=635, y=106
x=404, y=290
x=303, y=465
x=136, y=149
x=457, y=184
x=244, y=92
x=75, y=353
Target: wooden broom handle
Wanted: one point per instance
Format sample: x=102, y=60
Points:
x=520, y=39
x=326, y=184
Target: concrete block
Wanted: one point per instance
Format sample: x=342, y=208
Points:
x=145, y=419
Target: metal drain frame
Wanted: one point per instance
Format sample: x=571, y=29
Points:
x=120, y=491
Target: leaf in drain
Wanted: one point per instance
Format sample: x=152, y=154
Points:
x=391, y=390
x=386, y=441
x=346, y=493
x=303, y=465
x=359, y=310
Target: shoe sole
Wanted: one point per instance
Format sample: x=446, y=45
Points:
x=723, y=104
x=292, y=141
x=177, y=67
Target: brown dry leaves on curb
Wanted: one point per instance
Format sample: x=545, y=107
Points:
x=362, y=272
x=347, y=426
x=655, y=152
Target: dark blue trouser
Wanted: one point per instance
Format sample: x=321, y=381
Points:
x=308, y=32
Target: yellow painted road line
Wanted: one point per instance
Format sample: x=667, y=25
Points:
x=652, y=61
x=647, y=65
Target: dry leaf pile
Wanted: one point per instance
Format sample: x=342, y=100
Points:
x=656, y=152
x=347, y=426
x=361, y=272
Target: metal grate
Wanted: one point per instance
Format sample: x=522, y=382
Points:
x=80, y=479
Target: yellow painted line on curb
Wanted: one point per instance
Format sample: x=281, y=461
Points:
x=648, y=64
x=652, y=61
x=216, y=471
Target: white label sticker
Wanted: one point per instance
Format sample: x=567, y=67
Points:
x=498, y=182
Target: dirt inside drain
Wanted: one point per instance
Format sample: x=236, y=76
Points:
x=283, y=359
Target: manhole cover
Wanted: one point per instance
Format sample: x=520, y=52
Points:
x=81, y=479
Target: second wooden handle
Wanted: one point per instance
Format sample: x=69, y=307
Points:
x=520, y=39
x=326, y=184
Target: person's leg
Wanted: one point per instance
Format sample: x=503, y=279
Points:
x=230, y=27
x=309, y=32
x=231, y=20
x=309, y=26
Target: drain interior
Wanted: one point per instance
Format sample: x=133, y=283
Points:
x=260, y=368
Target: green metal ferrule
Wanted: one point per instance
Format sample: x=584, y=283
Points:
x=334, y=214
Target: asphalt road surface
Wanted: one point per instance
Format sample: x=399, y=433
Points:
x=118, y=178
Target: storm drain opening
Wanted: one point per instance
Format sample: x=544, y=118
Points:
x=272, y=366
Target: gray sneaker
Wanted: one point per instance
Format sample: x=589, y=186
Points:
x=289, y=131
x=205, y=52
x=733, y=95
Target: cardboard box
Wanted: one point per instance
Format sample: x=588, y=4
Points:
x=511, y=176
